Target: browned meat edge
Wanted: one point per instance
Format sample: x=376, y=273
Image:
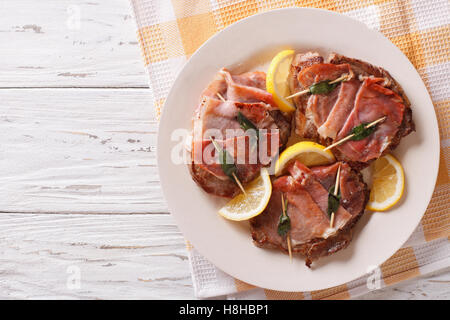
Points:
x=210, y=183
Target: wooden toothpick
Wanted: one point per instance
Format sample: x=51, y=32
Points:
x=344, y=77
x=239, y=183
x=300, y=93
x=220, y=97
x=341, y=78
x=336, y=189
x=352, y=135
x=288, y=237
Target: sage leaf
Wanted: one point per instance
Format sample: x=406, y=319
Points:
x=360, y=132
x=333, y=201
x=322, y=87
x=227, y=163
x=226, y=160
x=284, y=223
x=245, y=123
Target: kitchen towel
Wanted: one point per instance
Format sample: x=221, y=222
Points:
x=169, y=32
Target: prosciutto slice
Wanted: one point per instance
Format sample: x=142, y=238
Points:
x=301, y=62
x=308, y=221
x=370, y=94
x=340, y=110
x=372, y=102
x=319, y=106
x=306, y=190
x=322, y=71
x=216, y=117
x=350, y=185
x=320, y=194
x=246, y=87
x=244, y=152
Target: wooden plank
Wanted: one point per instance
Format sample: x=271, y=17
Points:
x=121, y=257
x=78, y=151
x=115, y=257
x=69, y=44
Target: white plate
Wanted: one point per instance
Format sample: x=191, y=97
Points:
x=227, y=244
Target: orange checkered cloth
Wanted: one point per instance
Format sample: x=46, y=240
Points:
x=169, y=31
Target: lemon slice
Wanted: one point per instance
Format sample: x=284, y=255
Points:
x=276, y=80
x=244, y=207
x=388, y=183
x=307, y=152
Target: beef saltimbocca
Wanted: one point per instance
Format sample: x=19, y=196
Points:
x=367, y=94
x=334, y=99
x=217, y=117
x=306, y=191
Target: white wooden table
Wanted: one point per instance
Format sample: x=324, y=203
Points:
x=79, y=190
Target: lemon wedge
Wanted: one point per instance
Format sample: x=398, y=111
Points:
x=307, y=152
x=388, y=183
x=277, y=77
x=249, y=205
